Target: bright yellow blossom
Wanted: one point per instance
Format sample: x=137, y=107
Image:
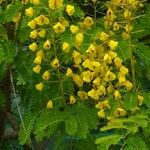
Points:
x=103, y=36
x=101, y=90
x=140, y=99
x=119, y=112
x=32, y=24
x=39, y=86
x=33, y=34
x=65, y=47
x=87, y=76
x=70, y=10
x=40, y=53
x=74, y=29
x=72, y=99
x=103, y=105
x=55, y=63
x=37, y=69
x=59, y=28
x=101, y=114
x=79, y=39
x=93, y=94
x=49, y=104
x=128, y=85
x=29, y=12
x=112, y=44
x=76, y=57
x=88, y=21
x=55, y=4
x=97, y=81
x=38, y=60
x=69, y=72
x=47, y=44
x=110, y=76
x=78, y=80
x=83, y=95
x=124, y=70
x=35, y=2
x=117, y=94
x=33, y=46
x=42, y=33
x=118, y=61
x=46, y=75
x=42, y=20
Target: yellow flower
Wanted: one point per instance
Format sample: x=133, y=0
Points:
x=29, y=12
x=127, y=14
x=55, y=4
x=69, y=72
x=40, y=53
x=47, y=44
x=35, y=2
x=107, y=59
x=38, y=60
x=110, y=76
x=46, y=75
x=101, y=114
x=77, y=79
x=117, y=94
x=91, y=50
x=119, y=112
x=79, y=39
x=42, y=20
x=32, y=24
x=97, y=81
x=39, y=86
x=33, y=34
x=33, y=46
x=88, y=21
x=72, y=99
x=103, y=36
x=87, y=64
x=74, y=29
x=118, y=61
x=140, y=99
x=65, y=47
x=59, y=28
x=93, y=94
x=64, y=22
x=110, y=89
x=128, y=85
x=112, y=54
x=70, y=10
x=124, y=70
x=37, y=69
x=76, y=57
x=101, y=90
x=42, y=33
x=83, y=95
x=125, y=36
x=103, y=105
x=113, y=44
x=116, y=26
x=87, y=76
x=55, y=63
x=50, y=104
x=121, y=78
x=24, y=1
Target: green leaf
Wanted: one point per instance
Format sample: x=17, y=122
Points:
x=130, y=101
x=106, y=141
x=25, y=131
x=71, y=125
x=135, y=143
x=123, y=50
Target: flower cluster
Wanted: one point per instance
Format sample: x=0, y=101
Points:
x=99, y=74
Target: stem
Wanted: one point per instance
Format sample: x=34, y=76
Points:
x=18, y=108
x=130, y=48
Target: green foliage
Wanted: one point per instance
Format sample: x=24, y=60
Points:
x=134, y=143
